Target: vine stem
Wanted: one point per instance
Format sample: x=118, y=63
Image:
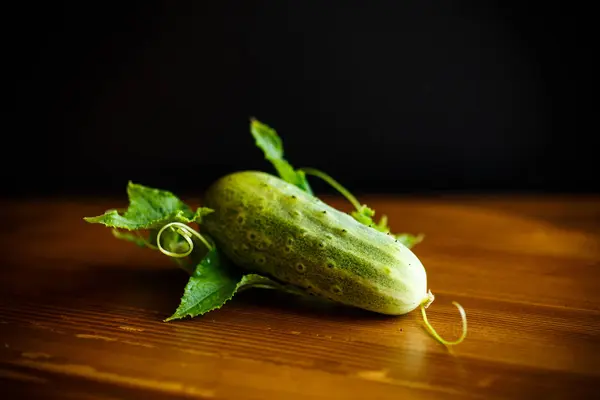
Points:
x=335, y=184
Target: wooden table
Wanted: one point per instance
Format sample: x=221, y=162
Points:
x=81, y=313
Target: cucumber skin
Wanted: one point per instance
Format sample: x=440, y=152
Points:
x=268, y=226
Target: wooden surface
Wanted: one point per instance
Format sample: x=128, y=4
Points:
x=81, y=313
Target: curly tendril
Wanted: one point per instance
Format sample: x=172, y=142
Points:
x=186, y=232
x=426, y=303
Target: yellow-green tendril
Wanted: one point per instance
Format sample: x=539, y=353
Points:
x=186, y=232
x=426, y=302
x=335, y=184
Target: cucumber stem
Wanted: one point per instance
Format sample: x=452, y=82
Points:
x=186, y=232
x=426, y=302
x=335, y=184
x=117, y=233
x=146, y=242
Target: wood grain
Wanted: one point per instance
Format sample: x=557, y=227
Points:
x=81, y=312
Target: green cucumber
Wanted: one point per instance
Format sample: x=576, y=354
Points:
x=274, y=228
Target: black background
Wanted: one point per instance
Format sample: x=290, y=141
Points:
x=386, y=96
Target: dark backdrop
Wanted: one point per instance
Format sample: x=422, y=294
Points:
x=387, y=96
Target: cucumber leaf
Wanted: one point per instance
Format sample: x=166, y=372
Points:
x=270, y=143
x=149, y=208
x=214, y=282
x=210, y=286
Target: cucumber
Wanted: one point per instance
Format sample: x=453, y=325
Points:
x=271, y=227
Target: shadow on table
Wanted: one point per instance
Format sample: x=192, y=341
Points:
x=154, y=289
x=271, y=301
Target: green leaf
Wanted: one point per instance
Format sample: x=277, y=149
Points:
x=215, y=282
x=210, y=286
x=270, y=143
x=149, y=208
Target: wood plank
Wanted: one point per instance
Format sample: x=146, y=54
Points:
x=81, y=314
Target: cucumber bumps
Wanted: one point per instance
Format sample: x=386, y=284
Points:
x=272, y=227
